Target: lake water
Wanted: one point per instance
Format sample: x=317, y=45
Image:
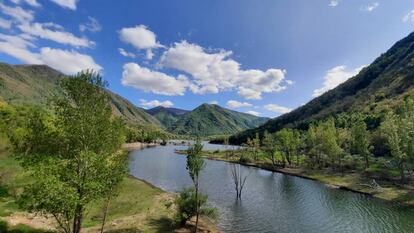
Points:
x=272, y=202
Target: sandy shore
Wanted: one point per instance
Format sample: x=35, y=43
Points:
x=137, y=145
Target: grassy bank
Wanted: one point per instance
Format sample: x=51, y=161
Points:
x=139, y=207
x=349, y=180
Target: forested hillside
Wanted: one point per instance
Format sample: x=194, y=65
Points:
x=381, y=85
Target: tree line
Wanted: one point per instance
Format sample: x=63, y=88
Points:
x=346, y=142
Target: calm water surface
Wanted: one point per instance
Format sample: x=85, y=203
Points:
x=272, y=202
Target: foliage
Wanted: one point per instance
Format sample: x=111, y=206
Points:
x=187, y=206
x=73, y=158
x=380, y=86
x=399, y=131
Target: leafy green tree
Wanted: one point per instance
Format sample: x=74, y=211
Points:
x=269, y=146
x=75, y=160
x=194, y=166
x=328, y=141
x=399, y=131
x=254, y=145
x=288, y=141
x=360, y=143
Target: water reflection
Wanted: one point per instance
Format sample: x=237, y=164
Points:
x=272, y=202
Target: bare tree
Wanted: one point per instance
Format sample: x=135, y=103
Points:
x=238, y=178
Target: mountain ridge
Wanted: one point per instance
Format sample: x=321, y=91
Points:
x=376, y=87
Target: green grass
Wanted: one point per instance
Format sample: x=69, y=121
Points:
x=139, y=206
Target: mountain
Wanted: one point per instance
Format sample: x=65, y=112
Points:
x=167, y=116
x=211, y=119
x=381, y=85
x=36, y=84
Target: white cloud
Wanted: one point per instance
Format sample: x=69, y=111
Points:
x=126, y=53
x=237, y=104
x=17, y=47
x=141, y=38
x=277, y=108
x=156, y=103
x=215, y=71
x=333, y=3
x=71, y=4
x=92, y=25
x=254, y=113
x=370, y=7
x=17, y=13
x=152, y=81
x=54, y=32
x=409, y=17
x=214, y=102
x=334, y=77
x=33, y=3
x=6, y=24
x=69, y=62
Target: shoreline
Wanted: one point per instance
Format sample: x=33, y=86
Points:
x=137, y=146
x=390, y=193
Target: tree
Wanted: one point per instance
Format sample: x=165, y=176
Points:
x=269, y=146
x=75, y=160
x=187, y=204
x=194, y=166
x=328, y=141
x=238, y=179
x=288, y=141
x=360, y=143
x=399, y=131
x=254, y=145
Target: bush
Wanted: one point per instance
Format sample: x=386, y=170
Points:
x=186, y=206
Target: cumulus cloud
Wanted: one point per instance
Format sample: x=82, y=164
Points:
x=126, y=53
x=215, y=71
x=152, y=81
x=54, y=32
x=18, y=47
x=237, y=104
x=409, y=17
x=213, y=102
x=333, y=3
x=68, y=62
x=156, y=103
x=254, y=113
x=17, y=13
x=277, y=108
x=70, y=4
x=141, y=38
x=92, y=25
x=334, y=77
x=370, y=7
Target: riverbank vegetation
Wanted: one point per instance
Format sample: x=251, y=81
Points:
x=373, y=154
x=66, y=166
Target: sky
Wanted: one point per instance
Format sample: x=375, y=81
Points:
x=263, y=57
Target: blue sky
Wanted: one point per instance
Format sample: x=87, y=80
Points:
x=264, y=57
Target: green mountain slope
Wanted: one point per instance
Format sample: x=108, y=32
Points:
x=167, y=116
x=36, y=84
x=380, y=85
x=210, y=119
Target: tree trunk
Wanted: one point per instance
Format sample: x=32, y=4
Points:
x=197, y=207
x=77, y=220
x=366, y=161
x=105, y=213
